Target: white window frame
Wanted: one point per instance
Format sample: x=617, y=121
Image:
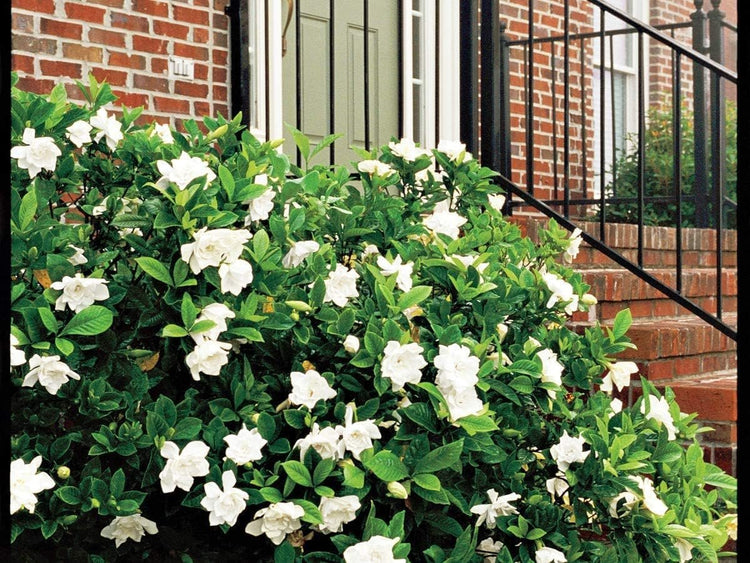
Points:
x=639, y=9
x=448, y=59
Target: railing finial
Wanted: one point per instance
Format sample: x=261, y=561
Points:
x=716, y=4
x=698, y=4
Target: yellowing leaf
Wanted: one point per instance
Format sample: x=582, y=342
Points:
x=42, y=276
x=147, y=363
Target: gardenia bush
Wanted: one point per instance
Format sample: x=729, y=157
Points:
x=218, y=355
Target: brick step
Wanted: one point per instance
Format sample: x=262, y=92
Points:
x=617, y=288
x=589, y=257
x=714, y=398
x=672, y=349
x=659, y=244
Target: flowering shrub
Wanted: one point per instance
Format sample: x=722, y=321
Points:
x=216, y=352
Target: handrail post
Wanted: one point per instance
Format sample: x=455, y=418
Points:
x=504, y=100
x=491, y=82
x=718, y=139
x=469, y=16
x=701, y=192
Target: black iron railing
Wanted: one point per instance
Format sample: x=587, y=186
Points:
x=572, y=194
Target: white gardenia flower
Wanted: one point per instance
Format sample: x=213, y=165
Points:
x=78, y=258
x=79, y=133
x=408, y=150
x=235, y=276
x=498, y=506
x=468, y=260
x=551, y=369
x=685, y=549
x=574, y=245
x=351, y=344
x=276, y=521
x=444, y=221
x=183, y=466
x=108, y=127
x=659, y=411
x=568, y=450
x=298, y=252
x=496, y=201
x=183, y=170
x=25, y=483
x=164, y=133
x=326, y=441
x=562, y=291
x=456, y=377
x=337, y=511
x=502, y=331
x=549, y=555
x=427, y=173
x=616, y=406
x=375, y=168
x=403, y=271
x=378, y=549
x=308, y=388
x=731, y=526
x=619, y=374
x=224, y=504
x=556, y=487
x=453, y=150
x=629, y=501
x=208, y=357
x=370, y=249
x=218, y=313
x=259, y=208
x=402, y=363
x=357, y=436
x=245, y=446
x=124, y=528
x=461, y=402
x=488, y=546
x=79, y=292
x=341, y=285
x=651, y=502
x=213, y=247
x=49, y=371
x=456, y=366
x=17, y=356
x=39, y=153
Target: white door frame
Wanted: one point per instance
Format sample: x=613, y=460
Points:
x=448, y=59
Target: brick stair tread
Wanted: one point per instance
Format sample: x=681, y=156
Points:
x=712, y=396
x=672, y=337
x=619, y=284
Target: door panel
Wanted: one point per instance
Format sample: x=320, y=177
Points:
x=348, y=74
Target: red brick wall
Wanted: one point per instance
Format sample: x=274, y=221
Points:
x=549, y=110
x=127, y=43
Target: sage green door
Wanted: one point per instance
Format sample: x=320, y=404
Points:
x=348, y=75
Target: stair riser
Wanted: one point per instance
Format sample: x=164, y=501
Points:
x=590, y=258
x=652, y=309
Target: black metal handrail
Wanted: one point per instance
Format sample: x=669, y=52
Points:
x=514, y=190
x=706, y=60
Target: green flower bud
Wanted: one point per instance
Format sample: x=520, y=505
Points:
x=69, y=519
x=216, y=133
x=63, y=472
x=299, y=306
x=95, y=503
x=397, y=490
x=294, y=315
x=588, y=299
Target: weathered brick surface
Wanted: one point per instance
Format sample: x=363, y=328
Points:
x=128, y=43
